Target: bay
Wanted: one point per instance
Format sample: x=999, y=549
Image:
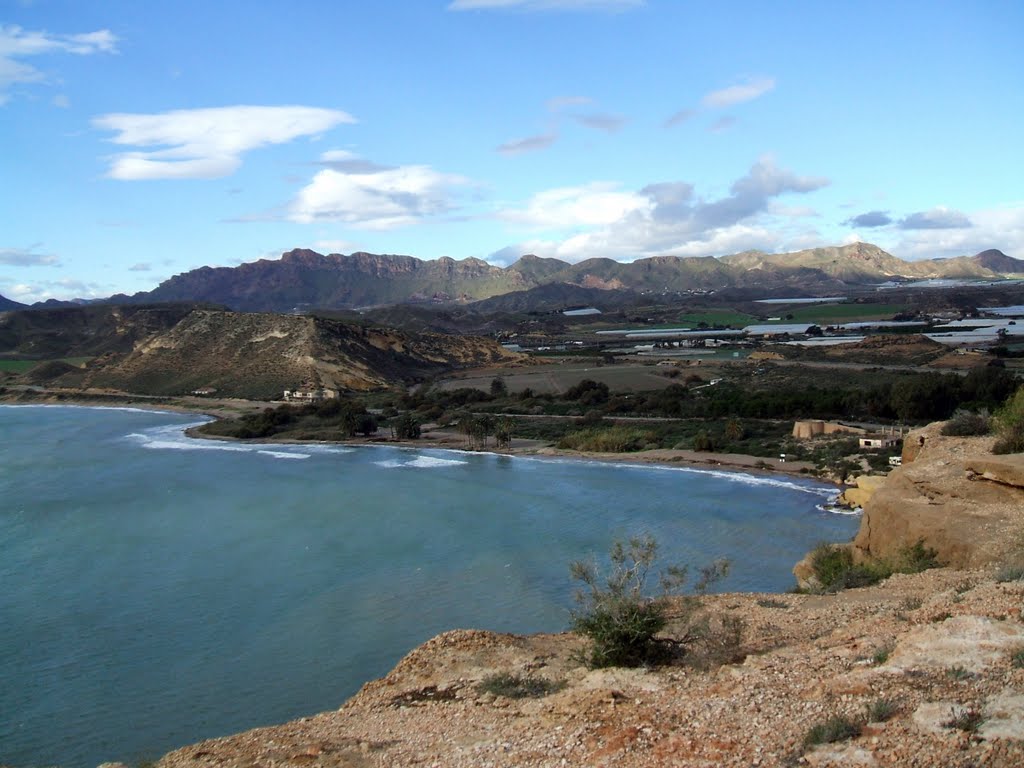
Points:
x=158, y=590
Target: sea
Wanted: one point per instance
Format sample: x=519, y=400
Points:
x=156, y=590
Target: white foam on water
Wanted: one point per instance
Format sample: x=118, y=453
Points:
x=432, y=462
x=835, y=509
x=173, y=438
x=90, y=407
x=389, y=464
x=283, y=455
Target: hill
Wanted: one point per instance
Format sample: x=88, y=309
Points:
x=257, y=356
x=303, y=279
x=997, y=261
x=6, y=304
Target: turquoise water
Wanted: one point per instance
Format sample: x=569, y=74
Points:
x=159, y=590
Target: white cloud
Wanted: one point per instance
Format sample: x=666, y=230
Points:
x=1001, y=228
x=599, y=203
x=601, y=121
x=64, y=290
x=17, y=43
x=722, y=124
x=545, y=5
x=558, y=103
x=666, y=218
x=377, y=199
x=528, y=144
x=26, y=257
x=737, y=94
x=334, y=246
x=207, y=143
x=936, y=218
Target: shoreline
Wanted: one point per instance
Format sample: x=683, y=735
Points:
x=669, y=458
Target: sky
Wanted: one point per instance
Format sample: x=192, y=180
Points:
x=139, y=140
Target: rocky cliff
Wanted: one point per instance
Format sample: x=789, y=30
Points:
x=952, y=494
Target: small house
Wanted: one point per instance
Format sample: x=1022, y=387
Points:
x=879, y=441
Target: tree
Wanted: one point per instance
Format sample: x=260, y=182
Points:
x=616, y=611
x=405, y=427
x=503, y=432
x=498, y=387
x=734, y=429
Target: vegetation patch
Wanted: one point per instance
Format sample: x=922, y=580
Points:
x=837, y=728
x=880, y=710
x=1009, y=421
x=513, y=686
x=966, y=424
x=967, y=719
x=617, y=613
x=607, y=440
x=834, y=569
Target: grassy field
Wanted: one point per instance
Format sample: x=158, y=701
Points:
x=557, y=378
x=829, y=314
x=717, y=317
x=20, y=366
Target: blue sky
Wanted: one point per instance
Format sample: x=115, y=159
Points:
x=141, y=140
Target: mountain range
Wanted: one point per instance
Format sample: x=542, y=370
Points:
x=303, y=279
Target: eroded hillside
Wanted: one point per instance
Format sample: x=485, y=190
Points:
x=259, y=355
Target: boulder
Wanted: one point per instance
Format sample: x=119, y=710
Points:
x=1008, y=470
x=862, y=490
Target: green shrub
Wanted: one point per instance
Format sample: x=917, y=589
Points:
x=518, y=686
x=1009, y=421
x=916, y=558
x=964, y=719
x=607, y=440
x=618, y=615
x=1010, y=573
x=966, y=424
x=837, y=728
x=881, y=655
x=835, y=570
x=1017, y=657
x=880, y=710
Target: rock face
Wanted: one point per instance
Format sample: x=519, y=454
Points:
x=942, y=495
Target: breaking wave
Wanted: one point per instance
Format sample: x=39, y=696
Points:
x=173, y=438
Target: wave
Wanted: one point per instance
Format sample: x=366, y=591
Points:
x=420, y=462
x=429, y=462
x=173, y=438
x=90, y=407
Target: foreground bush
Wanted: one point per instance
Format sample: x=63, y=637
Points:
x=835, y=570
x=616, y=612
x=519, y=686
x=966, y=424
x=1010, y=425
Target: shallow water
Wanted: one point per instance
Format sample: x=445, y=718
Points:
x=159, y=590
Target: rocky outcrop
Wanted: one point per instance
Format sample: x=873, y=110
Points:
x=952, y=494
x=863, y=489
x=1008, y=470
